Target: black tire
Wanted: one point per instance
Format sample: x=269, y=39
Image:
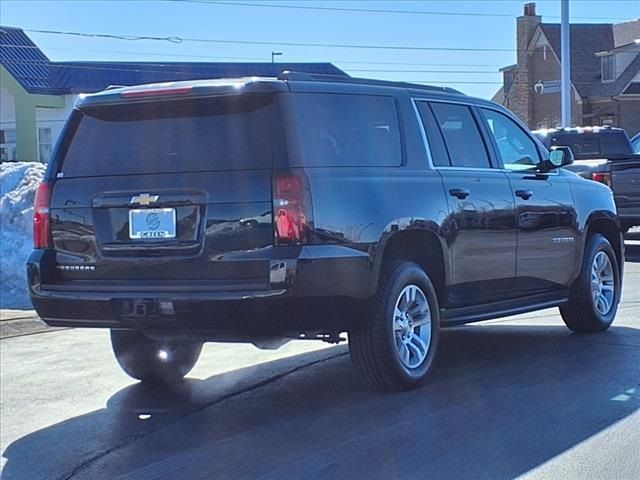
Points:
x=152, y=361
x=581, y=314
x=373, y=344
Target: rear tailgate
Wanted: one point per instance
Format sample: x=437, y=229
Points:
x=625, y=184
x=154, y=194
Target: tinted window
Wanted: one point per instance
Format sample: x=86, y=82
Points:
x=636, y=144
x=228, y=133
x=601, y=143
x=347, y=130
x=461, y=135
x=439, y=154
x=517, y=150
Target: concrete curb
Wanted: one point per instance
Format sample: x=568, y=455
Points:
x=17, y=323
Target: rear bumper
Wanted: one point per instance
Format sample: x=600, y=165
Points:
x=303, y=292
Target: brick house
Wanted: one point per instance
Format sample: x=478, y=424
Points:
x=605, y=74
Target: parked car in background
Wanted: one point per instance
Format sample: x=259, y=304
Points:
x=260, y=210
x=606, y=155
x=635, y=142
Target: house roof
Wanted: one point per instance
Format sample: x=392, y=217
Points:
x=24, y=60
x=499, y=96
x=633, y=89
x=627, y=47
x=586, y=41
x=626, y=32
x=37, y=74
x=73, y=77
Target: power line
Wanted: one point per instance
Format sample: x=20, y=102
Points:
x=136, y=67
x=92, y=67
x=189, y=75
x=175, y=39
x=177, y=55
x=109, y=35
x=422, y=64
x=264, y=59
x=340, y=9
x=370, y=10
x=183, y=73
x=423, y=71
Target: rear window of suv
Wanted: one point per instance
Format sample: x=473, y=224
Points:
x=345, y=130
x=198, y=134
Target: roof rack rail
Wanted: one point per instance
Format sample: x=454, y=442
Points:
x=113, y=87
x=289, y=75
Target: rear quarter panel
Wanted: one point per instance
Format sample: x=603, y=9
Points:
x=593, y=201
x=362, y=207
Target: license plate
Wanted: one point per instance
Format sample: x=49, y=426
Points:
x=152, y=223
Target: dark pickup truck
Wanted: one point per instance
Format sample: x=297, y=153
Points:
x=604, y=154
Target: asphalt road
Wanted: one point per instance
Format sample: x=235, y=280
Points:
x=511, y=397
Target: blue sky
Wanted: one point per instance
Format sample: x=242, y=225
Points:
x=474, y=72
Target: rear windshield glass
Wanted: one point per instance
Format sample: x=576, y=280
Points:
x=590, y=143
x=340, y=130
x=223, y=133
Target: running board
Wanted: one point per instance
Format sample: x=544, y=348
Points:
x=506, y=308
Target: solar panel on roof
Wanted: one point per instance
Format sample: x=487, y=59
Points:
x=37, y=74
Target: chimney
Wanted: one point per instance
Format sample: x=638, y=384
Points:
x=529, y=9
x=526, y=26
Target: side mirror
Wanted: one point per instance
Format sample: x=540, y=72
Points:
x=559, y=156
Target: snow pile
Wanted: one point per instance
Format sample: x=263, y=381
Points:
x=18, y=184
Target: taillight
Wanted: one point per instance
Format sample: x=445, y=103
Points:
x=41, y=219
x=602, y=177
x=291, y=209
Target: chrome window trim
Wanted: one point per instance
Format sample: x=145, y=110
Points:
x=423, y=132
x=468, y=103
x=524, y=129
x=474, y=169
x=425, y=141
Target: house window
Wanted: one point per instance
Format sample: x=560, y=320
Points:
x=8, y=150
x=44, y=144
x=608, y=68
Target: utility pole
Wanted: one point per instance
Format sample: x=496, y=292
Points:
x=565, y=66
x=274, y=55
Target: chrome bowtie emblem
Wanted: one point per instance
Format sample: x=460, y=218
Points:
x=144, y=199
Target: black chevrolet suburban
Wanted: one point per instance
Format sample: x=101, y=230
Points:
x=301, y=207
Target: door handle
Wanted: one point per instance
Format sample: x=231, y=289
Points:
x=460, y=193
x=524, y=194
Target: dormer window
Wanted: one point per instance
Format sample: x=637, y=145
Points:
x=608, y=68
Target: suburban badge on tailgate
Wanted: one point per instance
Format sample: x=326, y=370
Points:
x=144, y=199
